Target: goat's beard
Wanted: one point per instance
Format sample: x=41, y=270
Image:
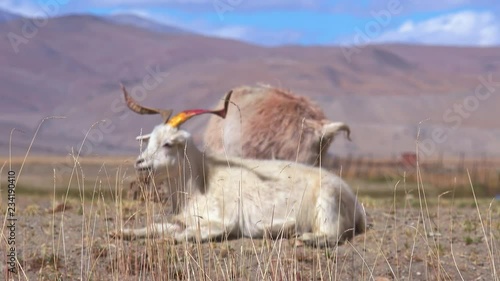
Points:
x=143, y=176
x=156, y=175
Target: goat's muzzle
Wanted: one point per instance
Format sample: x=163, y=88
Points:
x=140, y=167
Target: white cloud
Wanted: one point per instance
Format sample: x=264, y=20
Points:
x=34, y=8
x=230, y=32
x=461, y=28
x=365, y=8
x=256, y=36
x=24, y=8
x=147, y=15
x=135, y=12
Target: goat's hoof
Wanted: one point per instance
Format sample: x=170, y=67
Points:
x=294, y=242
x=120, y=234
x=115, y=234
x=318, y=241
x=168, y=241
x=305, y=239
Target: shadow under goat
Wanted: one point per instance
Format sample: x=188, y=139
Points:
x=216, y=197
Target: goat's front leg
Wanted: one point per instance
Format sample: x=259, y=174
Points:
x=202, y=231
x=319, y=240
x=154, y=230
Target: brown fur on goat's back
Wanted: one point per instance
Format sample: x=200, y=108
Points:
x=268, y=123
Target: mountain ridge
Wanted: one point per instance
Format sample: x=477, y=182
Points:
x=74, y=65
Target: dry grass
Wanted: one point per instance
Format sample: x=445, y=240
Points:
x=416, y=234
x=439, y=176
x=415, y=237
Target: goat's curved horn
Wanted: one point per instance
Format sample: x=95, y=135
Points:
x=347, y=130
x=137, y=108
x=185, y=115
x=333, y=128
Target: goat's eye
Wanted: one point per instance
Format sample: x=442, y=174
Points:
x=167, y=144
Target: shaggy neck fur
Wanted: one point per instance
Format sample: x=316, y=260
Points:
x=192, y=177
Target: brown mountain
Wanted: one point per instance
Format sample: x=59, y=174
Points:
x=73, y=66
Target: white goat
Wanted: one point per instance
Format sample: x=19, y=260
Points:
x=216, y=197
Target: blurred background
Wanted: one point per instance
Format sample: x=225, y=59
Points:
x=393, y=70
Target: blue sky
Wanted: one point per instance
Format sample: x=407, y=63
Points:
x=314, y=22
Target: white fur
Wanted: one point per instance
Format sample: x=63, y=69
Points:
x=263, y=122
x=215, y=197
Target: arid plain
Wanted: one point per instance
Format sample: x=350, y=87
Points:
x=435, y=220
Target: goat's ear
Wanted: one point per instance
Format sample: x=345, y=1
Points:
x=143, y=138
x=332, y=129
x=181, y=137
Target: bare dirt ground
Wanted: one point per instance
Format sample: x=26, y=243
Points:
x=64, y=236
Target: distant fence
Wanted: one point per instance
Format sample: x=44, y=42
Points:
x=442, y=173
